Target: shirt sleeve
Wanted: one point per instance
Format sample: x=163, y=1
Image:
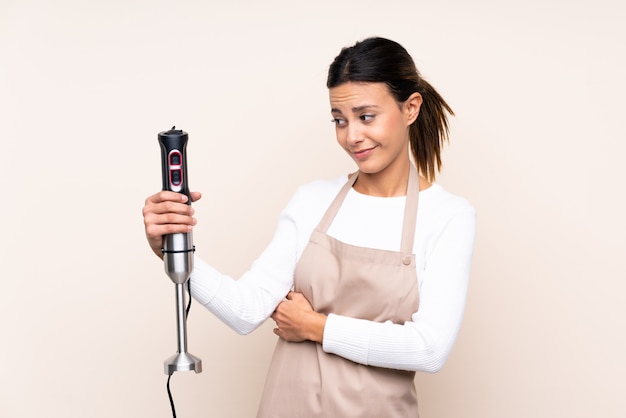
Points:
x=425, y=342
x=246, y=303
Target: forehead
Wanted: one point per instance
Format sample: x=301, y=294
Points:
x=353, y=94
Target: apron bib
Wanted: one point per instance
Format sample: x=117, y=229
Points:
x=377, y=285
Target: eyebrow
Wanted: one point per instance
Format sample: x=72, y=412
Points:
x=354, y=109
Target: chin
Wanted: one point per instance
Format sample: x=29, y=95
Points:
x=368, y=167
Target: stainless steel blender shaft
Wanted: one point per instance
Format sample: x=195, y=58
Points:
x=182, y=360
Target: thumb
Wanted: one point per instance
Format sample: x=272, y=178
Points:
x=195, y=196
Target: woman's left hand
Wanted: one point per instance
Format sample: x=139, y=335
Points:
x=296, y=321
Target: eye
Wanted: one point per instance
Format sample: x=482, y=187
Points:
x=367, y=117
x=338, y=121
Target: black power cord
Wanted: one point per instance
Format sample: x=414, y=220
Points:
x=169, y=392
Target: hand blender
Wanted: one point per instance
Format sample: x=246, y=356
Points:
x=178, y=249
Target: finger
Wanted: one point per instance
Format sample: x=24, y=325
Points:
x=169, y=218
x=166, y=196
x=154, y=223
x=155, y=232
x=295, y=296
x=160, y=207
x=195, y=196
x=177, y=207
x=157, y=225
x=167, y=207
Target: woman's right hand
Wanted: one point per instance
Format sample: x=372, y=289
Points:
x=167, y=213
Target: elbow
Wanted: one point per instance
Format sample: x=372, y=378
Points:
x=432, y=362
x=417, y=350
x=245, y=331
x=238, y=322
x=430, y=355
x=243, y=327
x=434, y=366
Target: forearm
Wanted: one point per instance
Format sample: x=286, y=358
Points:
x=410, y=346
x=245, y=303
x=240, y=304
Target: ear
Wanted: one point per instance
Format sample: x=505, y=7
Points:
x=412, y=107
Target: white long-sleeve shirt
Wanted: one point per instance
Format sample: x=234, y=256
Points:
x=444, y=239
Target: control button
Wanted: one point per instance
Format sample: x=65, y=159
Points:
x=176, y=180
x=175, y=158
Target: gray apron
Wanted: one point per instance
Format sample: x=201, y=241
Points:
x=378, y=285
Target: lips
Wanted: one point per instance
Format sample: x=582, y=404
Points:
x=363, y=154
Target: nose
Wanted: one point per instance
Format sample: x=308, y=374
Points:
x=355, y=134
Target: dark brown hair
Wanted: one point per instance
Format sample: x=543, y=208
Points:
x=379, y=60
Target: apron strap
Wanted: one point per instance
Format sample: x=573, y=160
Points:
x=332, y=210
x=410, y=209
x=410, y=212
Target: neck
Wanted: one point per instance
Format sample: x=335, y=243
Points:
x=386, y=185
x=390, y=182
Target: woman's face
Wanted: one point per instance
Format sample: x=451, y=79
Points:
x=371, y=126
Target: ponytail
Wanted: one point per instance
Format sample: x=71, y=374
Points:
x=429, y=131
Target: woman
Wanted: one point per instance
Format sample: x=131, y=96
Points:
x=364, y=292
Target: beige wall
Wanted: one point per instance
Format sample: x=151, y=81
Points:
x=86, y=312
